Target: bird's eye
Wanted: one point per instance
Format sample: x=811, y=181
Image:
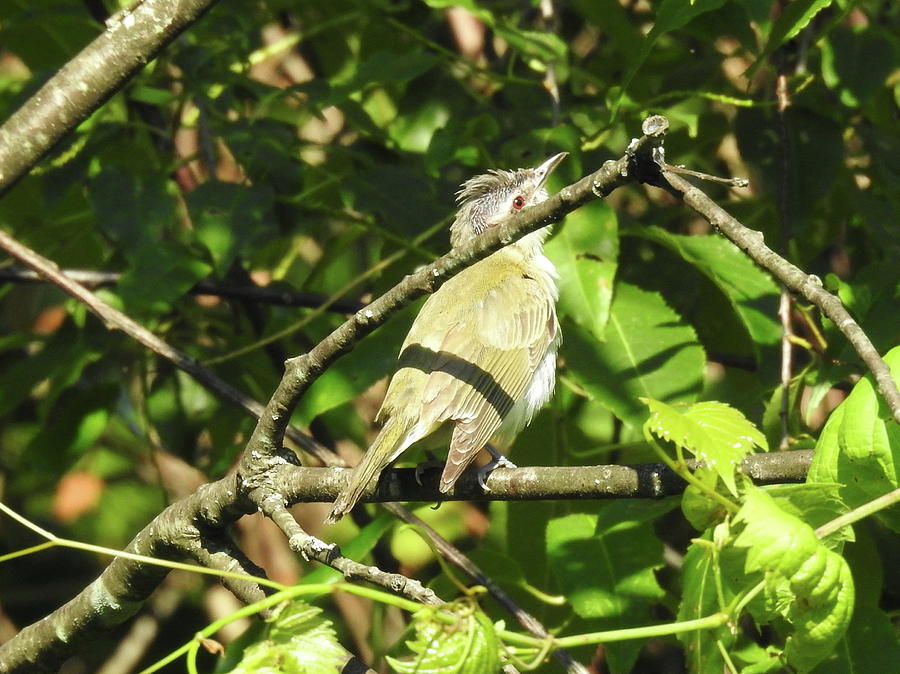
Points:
x=518, y=203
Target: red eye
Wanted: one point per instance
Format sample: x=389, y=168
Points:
x=518, y=203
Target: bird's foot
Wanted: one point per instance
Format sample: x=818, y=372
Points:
x=497, y=461
x=431, y=462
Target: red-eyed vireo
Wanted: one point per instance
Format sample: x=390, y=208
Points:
x=481, y=354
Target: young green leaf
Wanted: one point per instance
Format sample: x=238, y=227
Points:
x=813, y=584
x=860, y=446
x=468, y=647
x=297, y=639
x=712, y=431
x=606, y=563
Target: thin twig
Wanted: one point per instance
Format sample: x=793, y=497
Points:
x=93, y=279
x=114, y=318
x=786, y=303
x=810, y=287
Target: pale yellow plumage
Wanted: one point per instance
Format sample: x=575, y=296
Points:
x=481, y=352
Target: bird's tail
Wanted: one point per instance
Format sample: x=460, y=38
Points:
x=385, y=448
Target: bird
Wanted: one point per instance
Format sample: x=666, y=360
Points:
x=481, y=353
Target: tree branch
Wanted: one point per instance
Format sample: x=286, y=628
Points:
x=124, y=585
x=798, y=281
x=533, y=483
x=131, y=39
x=114, y=318
x=283, y=297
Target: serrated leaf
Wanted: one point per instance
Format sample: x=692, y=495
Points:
x=584, y=253
x=468, y=647
x=714, y=432
x=814, y=584
x=298, y=639
x=648, y=352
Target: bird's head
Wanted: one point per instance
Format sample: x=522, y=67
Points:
x=486, y=199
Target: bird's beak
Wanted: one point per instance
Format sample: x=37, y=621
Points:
x=545, y=169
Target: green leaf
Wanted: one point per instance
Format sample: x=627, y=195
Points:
x=381, y=67
x=870, y=644
x=133, y=209
x=45, y=35
x=584, y=253
x=812, y=139
x=750, y=290
x=533, y=43
x=815, y=585
x=228, y=217
x=795, y=17
x=468, y=647
x=470, y=5
x=699, y=599
x=60, y=361
x=712, y=431
x=297, y=639
x=853, y=63
x=648, y=352
x=860, y=446
x=815, y=503
x=605, y=564
x=671, y=15
x=162, y=273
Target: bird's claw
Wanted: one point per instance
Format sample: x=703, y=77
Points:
x=497, y=461
x=431, y=462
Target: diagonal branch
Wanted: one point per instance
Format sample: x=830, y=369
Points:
x=131, y=39
x=302, y=371
x=798, y=281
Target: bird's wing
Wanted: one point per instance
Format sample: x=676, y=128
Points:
x=484, y=364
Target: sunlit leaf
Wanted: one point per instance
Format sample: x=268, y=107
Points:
x=298, y=639
x=648, y=352
x=820, y=600
x=860, y=446
x=468, y=647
